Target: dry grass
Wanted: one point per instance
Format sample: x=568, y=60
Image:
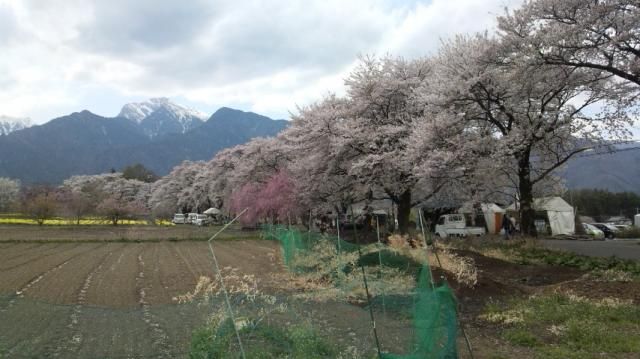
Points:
x=462, y=268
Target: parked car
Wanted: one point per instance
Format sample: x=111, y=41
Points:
x=202, y=220
x=593, y=231
x=179, y=218
x=455, y=225
x=608, y=230
x=191, y=217
x=621, y=227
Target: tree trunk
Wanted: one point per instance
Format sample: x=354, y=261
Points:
x=404, y=211
x=527, y=213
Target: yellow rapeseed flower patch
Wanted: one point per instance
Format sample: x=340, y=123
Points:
x=83, y=222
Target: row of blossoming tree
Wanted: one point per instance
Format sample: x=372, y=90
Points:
x=488, y=115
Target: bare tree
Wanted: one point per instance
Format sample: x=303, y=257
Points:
x=39, y=203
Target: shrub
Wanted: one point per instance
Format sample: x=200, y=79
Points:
x=630, y=232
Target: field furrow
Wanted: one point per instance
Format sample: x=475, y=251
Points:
x=115, y=285
x=28, y=256
x=20, y=280
x=109, y=300
x=75, y=339
x=9, y=251
x=146, y=285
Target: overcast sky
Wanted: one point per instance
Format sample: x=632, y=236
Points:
x=57, y=57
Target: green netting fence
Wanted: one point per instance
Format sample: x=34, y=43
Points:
x=402, y=296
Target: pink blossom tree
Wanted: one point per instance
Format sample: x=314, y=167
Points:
x=245, y=198
x=274, y=201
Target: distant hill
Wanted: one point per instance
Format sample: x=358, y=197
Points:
x=225, y=128
x=617, y=172
x=85, y=143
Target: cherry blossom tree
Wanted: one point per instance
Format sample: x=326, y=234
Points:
x=382, y=111
x=601, y=34
x=110, y=193
x=176, y=190
x=533, y=118
x=275, y=200
x=244, y=198
x=320, y=160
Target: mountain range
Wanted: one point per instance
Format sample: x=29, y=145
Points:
x=616, y=171
x=160, y=134
x=156, y=133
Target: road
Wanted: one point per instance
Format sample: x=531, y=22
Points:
x=621, y=248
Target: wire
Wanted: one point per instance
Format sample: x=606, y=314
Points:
x=435, y=252
x=607, y=152
x=224, y=289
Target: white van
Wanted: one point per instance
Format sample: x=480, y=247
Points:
x=202, y=220
x=179, y=218
x=455, y=225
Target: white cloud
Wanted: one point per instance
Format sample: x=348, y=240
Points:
x=264, y=56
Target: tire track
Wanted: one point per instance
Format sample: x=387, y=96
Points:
x=72, y=344
x=21, y=292
x=160, y=338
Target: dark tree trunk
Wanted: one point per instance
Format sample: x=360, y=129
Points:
x=404, y=211
x=527, y=213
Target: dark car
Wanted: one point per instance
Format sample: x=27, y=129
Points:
x=608, y=232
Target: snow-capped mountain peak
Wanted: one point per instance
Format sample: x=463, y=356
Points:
x=138, y=111
x=158, y=116
x=11, y=124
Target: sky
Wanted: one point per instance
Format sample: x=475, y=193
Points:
x=268, y=57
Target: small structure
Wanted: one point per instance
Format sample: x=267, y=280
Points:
x=212, y=212
x=558, y=212
x=215, y=215
x=493, y=215
x=636, y=220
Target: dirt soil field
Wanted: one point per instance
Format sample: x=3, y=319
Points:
x=116, y=298
x=111, y=299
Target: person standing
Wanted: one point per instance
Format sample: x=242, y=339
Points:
x=507, y=226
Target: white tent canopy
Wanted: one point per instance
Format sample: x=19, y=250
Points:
x=560, y=213
x=491, y=212
x=212, y=211
x=378, y=207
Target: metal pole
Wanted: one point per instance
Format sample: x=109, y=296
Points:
x=338, y=229
x=426, y=246
x=464, y=333
x=384, y=308
x=366, y=286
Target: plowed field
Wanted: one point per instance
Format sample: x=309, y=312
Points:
x=94, y=300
